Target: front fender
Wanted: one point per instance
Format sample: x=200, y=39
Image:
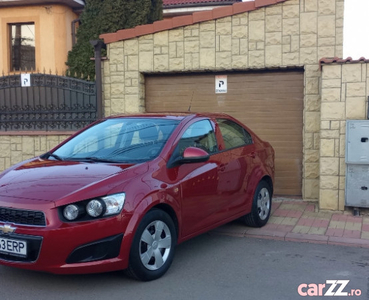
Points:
x=143, y=206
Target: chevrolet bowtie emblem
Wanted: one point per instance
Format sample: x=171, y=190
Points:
x=7, y=229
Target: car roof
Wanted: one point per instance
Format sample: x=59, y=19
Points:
x=171, y=115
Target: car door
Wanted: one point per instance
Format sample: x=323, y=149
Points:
x=235, y=168
x=198, y=182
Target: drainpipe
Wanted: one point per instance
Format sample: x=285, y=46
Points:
x=74, y=22
x=98, y=45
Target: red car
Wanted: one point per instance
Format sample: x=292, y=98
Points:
x=123, y=192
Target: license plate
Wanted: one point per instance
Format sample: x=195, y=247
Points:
x=13, y=247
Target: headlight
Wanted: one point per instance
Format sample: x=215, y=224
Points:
x=114, y=203
x=94, y=208
x=71, y=212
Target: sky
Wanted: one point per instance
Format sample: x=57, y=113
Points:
x=356, y=29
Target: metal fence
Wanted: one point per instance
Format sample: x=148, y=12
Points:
x=43, y=102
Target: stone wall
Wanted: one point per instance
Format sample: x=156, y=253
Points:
x=345, y=88
x=15, y=148
x=295, y=33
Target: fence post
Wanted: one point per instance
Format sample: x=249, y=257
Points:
x=98, y=45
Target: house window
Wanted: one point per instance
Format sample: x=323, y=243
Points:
x=22, y=46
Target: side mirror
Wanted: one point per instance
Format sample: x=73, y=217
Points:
x=191, y=155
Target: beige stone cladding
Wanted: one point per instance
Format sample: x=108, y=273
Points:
x=16, y=148
x=295, y=33
x=345, y=88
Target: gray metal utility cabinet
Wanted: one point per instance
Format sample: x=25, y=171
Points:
x=357, y=163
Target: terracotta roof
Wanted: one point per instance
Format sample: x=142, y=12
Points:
x=337, y=60
x=171, y=3
x=197, y=17
x=71, y=3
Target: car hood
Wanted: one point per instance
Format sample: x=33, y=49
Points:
x=48, y=180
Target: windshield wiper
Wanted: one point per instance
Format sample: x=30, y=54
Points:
x=48, y=154
x=97, y=159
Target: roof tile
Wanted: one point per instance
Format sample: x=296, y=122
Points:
x=337, y=60
x=144, y=29
x=182, y=21
x=262, y=3
x=197, y=17
x=202, y=16
x=168, y=3
x=163, y=25
x=222, y=12
x=239, y=8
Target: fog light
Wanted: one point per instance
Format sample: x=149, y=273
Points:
x=71, y=212
x=95, y=208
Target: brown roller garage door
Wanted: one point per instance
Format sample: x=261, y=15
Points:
x=270, y=103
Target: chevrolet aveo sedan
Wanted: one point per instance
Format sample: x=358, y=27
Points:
x=123, y=192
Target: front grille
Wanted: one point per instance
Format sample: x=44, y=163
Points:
x=23, y=217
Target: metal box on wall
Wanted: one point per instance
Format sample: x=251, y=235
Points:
x=357, y=142
x=357, y=185
x=357, y=162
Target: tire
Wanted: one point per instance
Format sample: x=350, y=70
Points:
x=261, y=206
x=152, y=253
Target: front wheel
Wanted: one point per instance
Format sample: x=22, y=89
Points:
x=152, y=249
x=261, y=206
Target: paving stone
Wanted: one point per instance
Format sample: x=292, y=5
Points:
x=352, y=234
x=353, y=226
x=354, y=219
x=294, y=206
x=275, y=220
x=365, y=235
x=365, y=220
x=337, y=224
x=281, y=212
x=285, y=228
x=301, y=229
x=289, y=221
x=294, y=214
x=334, y=232
x=275, y=206
x=320, y=223
x=310, y=207
x=365, y=227
x=339, y=217
x=306, y=222
x=317, y=230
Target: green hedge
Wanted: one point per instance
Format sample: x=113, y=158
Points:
x=104, y=16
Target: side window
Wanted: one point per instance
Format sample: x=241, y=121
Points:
x=200, y=135
x=233, y=134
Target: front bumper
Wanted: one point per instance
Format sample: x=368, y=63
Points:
x=72, y=248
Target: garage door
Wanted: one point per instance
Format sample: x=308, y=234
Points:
x=270, y=103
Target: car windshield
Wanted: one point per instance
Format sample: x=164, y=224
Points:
x=122, y=140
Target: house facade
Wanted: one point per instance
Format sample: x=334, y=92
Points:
x=36, y=35
x=269, y=53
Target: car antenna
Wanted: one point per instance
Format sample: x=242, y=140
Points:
x=189, y=108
